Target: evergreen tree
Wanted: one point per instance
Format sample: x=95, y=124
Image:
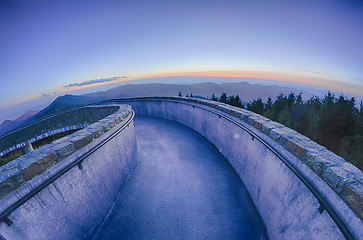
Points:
x=285, y=117
x=223, y=97
x=268, y=104
x=256, y=106
x=332, y=122
x=237, y=102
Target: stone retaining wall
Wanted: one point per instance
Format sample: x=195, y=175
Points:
x=17, y=172
x=343, y=177
x=71, y=120
x=287, y=206
x=78, y=201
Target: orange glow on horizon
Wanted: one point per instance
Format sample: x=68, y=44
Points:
x=319, y=80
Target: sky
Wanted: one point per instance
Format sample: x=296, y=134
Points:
x=49, y=48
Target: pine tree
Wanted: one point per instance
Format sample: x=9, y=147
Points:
x=223, y=97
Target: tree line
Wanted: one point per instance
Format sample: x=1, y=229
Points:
x=334, y=122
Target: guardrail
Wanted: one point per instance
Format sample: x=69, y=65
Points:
x=4, y=216
x=62, y=111
x=45, y=127
x=324, y=204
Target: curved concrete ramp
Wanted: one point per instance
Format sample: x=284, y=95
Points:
x=182, y=188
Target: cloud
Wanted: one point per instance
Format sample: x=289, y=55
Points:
x=310, y=71
x=93, y=81
x=48, y=94
x=45, y=94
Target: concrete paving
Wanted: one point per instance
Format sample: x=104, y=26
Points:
x=182, y=188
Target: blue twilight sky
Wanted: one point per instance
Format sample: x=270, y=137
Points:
x=47, y=45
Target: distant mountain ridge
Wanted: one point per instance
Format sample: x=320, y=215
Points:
x=60, y=104
x=63, y=103
x=7, y=125
x=246, y=91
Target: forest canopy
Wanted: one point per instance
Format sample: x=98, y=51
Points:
x=333, y=122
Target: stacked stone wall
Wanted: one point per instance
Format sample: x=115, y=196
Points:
x=21, y=170
x=71, y=120
x=343, y=177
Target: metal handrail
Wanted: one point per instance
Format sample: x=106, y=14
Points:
x=56, y=114
x=4, y=216
x=34, y=122
x=324, y=204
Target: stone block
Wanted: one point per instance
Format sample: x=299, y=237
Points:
x=10, y=184
x=106, y=126
x=275, y=134
x=283, y=135
x=244, y=116
x=81, y=139
x=336, y=178
x=96, y=129
x=125, y=115
x=63, y=149
x=112, y=123
x=352, y=194
x=251, y=119
x=358, y=177
x=9, y=169
x=232, y=112
x=213, y=105
x=333, y=159
x=260, y=121
x=320, y=159
x=117, y=120
x=314, y=161
x=295, y=148
x=279, y=135
x=237, y=114
x=267, y=126
x=352, y=169
x=220, y=107
x=39, y=166
x=257, y=124
x=312, y=146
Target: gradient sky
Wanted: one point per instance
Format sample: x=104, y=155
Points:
x=46, y=45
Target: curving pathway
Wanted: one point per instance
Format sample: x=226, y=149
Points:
x=182, y=188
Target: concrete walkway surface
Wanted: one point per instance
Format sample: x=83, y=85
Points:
x=182, y=188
